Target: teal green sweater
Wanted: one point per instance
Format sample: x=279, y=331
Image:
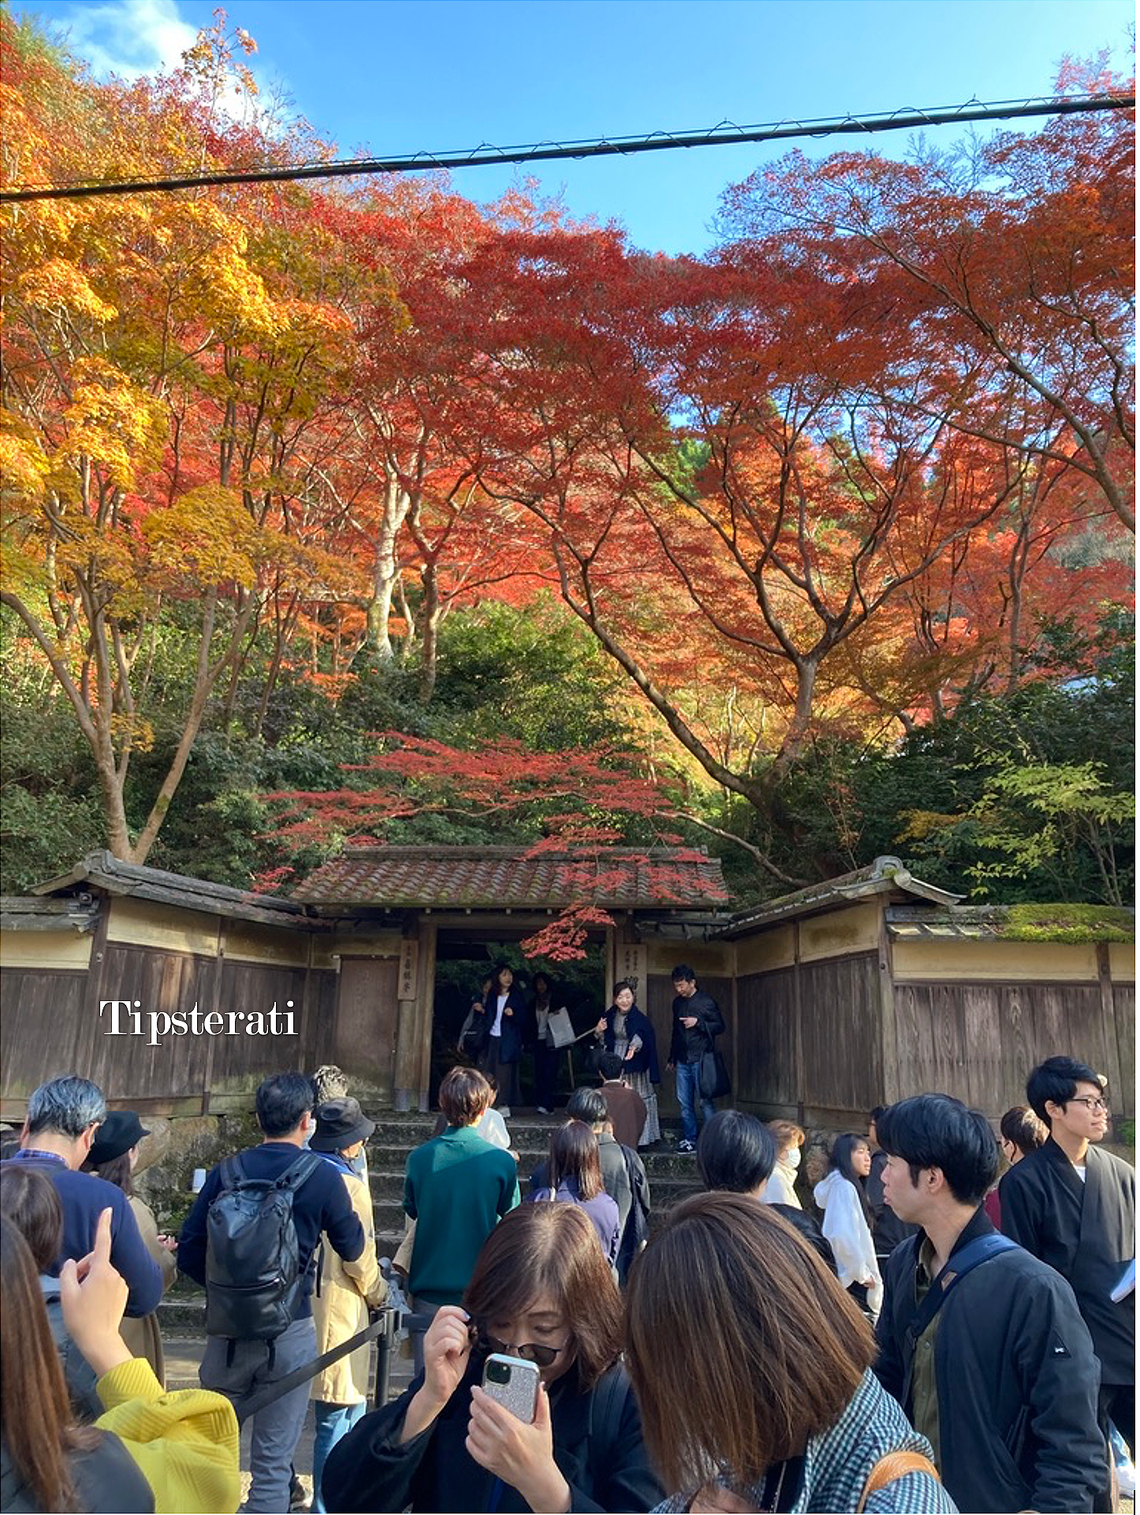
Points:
x=456, y=1188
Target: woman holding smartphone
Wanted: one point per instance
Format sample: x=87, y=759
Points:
x=541, y=1293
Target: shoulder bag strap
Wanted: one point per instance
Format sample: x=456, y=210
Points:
x=298, y=1171
x=890, y=1468
x=964, y=1261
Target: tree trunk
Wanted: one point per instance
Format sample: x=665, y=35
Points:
x=432, y=613
x=386, y=570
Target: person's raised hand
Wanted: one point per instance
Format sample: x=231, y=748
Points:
x=447, y=1349
x=521, y=1455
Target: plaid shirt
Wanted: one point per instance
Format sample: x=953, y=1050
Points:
x=838, y=1463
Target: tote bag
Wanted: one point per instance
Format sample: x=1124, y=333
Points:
x=715, y=1082
x=561, y=1028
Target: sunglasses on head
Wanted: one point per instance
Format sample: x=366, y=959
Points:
x=536, y=1352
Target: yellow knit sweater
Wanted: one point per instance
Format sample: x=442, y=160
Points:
x=185, y=1442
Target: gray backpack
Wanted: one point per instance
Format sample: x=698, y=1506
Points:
x=254, y=1279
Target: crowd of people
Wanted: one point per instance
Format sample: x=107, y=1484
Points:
x=886, y=1348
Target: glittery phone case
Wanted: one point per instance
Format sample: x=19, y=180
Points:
x=519, y=1394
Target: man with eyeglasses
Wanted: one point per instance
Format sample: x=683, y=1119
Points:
x=1075, y=1208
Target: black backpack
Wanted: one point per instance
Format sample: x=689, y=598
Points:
x=254, y=1279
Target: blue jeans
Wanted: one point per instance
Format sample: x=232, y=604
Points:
x=332, y=1422
x=688, y=1091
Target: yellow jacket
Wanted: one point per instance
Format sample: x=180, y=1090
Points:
x=185, y=1442
x=341, y=1301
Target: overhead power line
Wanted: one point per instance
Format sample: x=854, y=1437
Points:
x=726, y=133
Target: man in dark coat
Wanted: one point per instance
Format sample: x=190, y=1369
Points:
x=1075, y=1208
x=979, y=1341
x=696, y=1022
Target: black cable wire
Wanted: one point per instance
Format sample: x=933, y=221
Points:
x=724, y=134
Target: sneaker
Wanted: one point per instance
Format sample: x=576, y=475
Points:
x=505, y=1111
x=541, y=1110
x=687, y=1147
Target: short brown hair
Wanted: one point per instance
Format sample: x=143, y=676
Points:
x=770, y=1349
x=1025, y=1130
x=786, y=1134
x=574, y=1154
x=463, y=1096
x=541, y=1249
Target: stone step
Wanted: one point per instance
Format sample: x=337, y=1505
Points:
x=667, y=1182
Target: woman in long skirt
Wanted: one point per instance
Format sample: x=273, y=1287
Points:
x=627, y=1031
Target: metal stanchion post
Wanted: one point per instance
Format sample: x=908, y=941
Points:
x=384, y=1358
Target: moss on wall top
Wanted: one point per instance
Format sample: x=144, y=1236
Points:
x=1076, y=924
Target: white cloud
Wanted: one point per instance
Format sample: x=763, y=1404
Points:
x=129, y=37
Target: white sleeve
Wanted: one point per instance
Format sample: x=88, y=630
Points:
x=846, y=1229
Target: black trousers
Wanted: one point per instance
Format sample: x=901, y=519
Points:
x=545, y=1074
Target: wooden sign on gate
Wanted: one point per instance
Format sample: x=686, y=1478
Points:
x=409, y=968
x=631, y=960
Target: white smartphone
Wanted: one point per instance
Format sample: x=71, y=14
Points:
x=513, y=1382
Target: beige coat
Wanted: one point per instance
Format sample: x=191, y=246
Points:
x=141, y=1333
x=340, y=1308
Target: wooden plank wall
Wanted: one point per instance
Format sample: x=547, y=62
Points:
x=835, y=1074
x=52, y=1026
x=974, y=1040
x=45, y=1022
x=979, y=1040
x=1124, y=1002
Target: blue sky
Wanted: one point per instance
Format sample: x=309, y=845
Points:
x=397, y=76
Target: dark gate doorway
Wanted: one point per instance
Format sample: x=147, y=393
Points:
x=466, y=959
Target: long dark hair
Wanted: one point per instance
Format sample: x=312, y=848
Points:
x=116, y=1170
x=574, y=1154
x=840, y=1160
x=36, y=1413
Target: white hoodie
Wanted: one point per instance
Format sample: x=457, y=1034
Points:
x=846, y=1228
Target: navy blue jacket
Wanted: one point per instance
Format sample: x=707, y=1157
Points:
x=637, y=1023
x=83, y=1198
x=320, y=1204
x=512, y=1028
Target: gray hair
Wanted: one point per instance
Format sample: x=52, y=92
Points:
x=67, y=1106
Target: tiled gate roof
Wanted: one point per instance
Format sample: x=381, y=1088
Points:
x=447, y=877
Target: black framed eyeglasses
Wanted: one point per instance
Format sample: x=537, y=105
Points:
x=1090, y=1102
x=537, y=1352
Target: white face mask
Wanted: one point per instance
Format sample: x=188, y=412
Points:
x=792, y=1157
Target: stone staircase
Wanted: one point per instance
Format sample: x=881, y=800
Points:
x=671, y=1178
